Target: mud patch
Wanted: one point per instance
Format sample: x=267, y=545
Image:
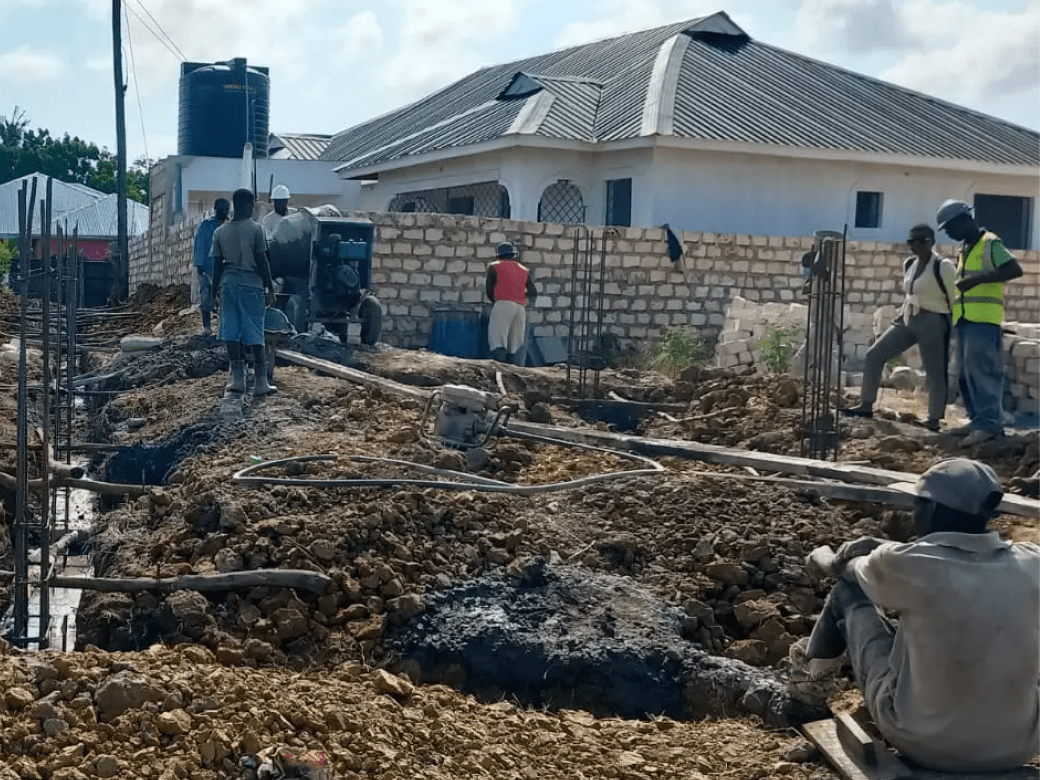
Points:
x=152, y=464
x=561, y=636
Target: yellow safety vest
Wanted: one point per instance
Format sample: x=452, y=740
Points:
x=985, y=302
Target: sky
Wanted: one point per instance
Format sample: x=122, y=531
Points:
x=336, y=63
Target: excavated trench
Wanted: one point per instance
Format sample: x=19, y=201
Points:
x=559, y=636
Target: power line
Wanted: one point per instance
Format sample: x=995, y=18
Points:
x=137, y=83
x=154, y=33
x=144, y=8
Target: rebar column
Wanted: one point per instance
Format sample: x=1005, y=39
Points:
x=26, y=203
x=823, y=347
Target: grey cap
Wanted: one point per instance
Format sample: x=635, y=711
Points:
x=958, y=483
x=950, y=210
x=506, y=250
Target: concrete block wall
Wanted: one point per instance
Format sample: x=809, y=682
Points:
x=163, y=256
x=423, y=262
x=1022, y=366
x=747, y=324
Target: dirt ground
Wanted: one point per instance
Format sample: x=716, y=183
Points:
x=186, y=685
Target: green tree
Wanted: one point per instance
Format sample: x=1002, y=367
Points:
x=69, y=158
x=8, y=250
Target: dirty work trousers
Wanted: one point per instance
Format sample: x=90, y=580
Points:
x=241, y=313
x=980, y=364
x=930, y=331
x=205, y=290
x=507, y=326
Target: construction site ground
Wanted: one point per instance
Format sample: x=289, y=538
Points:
x=688, y=569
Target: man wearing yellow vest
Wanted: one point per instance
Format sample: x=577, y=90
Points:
x=508, y=284
x=984, y=265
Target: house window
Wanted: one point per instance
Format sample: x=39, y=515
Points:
x=1007, y=216
x=868, y=209
x=463, y=205
x=561, y=202
x=619, y=202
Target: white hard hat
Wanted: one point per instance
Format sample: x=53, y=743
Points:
x=281, y=192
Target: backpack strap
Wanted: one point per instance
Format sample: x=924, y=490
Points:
x=942, y=286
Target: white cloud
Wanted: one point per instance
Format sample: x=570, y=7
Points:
x=858, y=25
x=618, y=17
x=443, y=40
x=27, y=65
x=361, y=36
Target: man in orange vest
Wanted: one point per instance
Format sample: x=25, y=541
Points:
x=984, y=265
x=508, y=284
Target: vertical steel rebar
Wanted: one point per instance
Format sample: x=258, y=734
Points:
x=598, y=347
x=45, y=438
x=824, y=335
x=20, y=535
x=574, y=303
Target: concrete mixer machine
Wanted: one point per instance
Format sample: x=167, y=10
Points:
x=322, y=264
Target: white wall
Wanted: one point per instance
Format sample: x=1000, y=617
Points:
x=526, y=173
x=311, y=182
x=744, y=193
x=719, y=192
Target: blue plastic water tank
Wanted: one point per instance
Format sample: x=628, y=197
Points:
x=223, y=105
x=459, y=333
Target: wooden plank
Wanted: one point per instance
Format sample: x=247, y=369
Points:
x=301, y=579
x=709, y=453
x=1011, y=504
x=353, y=375
x=841, y=491
x=856, y=741
x=824, y=734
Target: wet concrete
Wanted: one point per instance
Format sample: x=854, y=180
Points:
x=561, y=636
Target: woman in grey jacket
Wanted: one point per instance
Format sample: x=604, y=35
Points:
x=928, y=281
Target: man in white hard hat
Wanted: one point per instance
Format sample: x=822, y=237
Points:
x=954, y=685
x=983, y=266
x=280, y=198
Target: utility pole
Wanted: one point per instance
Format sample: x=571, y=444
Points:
x=121, y=283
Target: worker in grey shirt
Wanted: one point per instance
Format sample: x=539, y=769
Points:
x=955, y=686
x=242, y=275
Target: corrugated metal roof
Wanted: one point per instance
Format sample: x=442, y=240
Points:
x=297, y=146
x=94, y=211
x=573, y=113
x=65, y=197
x=100, y=218
x=782, y=98
x=729, y=88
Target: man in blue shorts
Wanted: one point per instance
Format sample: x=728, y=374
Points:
x=242, y=275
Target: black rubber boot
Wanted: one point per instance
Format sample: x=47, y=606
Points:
x=261, y=386
x=500, y=354
x=236, y=377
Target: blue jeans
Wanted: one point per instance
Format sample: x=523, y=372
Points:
x=980, y=362
x=241, y=313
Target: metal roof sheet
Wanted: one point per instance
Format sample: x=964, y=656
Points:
x=297, y=146
x=727, y=88
x=95, y=212
x=65, y=197
x=100, y=218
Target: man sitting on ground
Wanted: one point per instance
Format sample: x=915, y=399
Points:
x=954, y=686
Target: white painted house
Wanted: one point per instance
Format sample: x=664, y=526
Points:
x=699, y=126
x=185, y=186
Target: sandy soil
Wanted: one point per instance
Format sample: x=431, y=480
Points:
x=185, y=685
